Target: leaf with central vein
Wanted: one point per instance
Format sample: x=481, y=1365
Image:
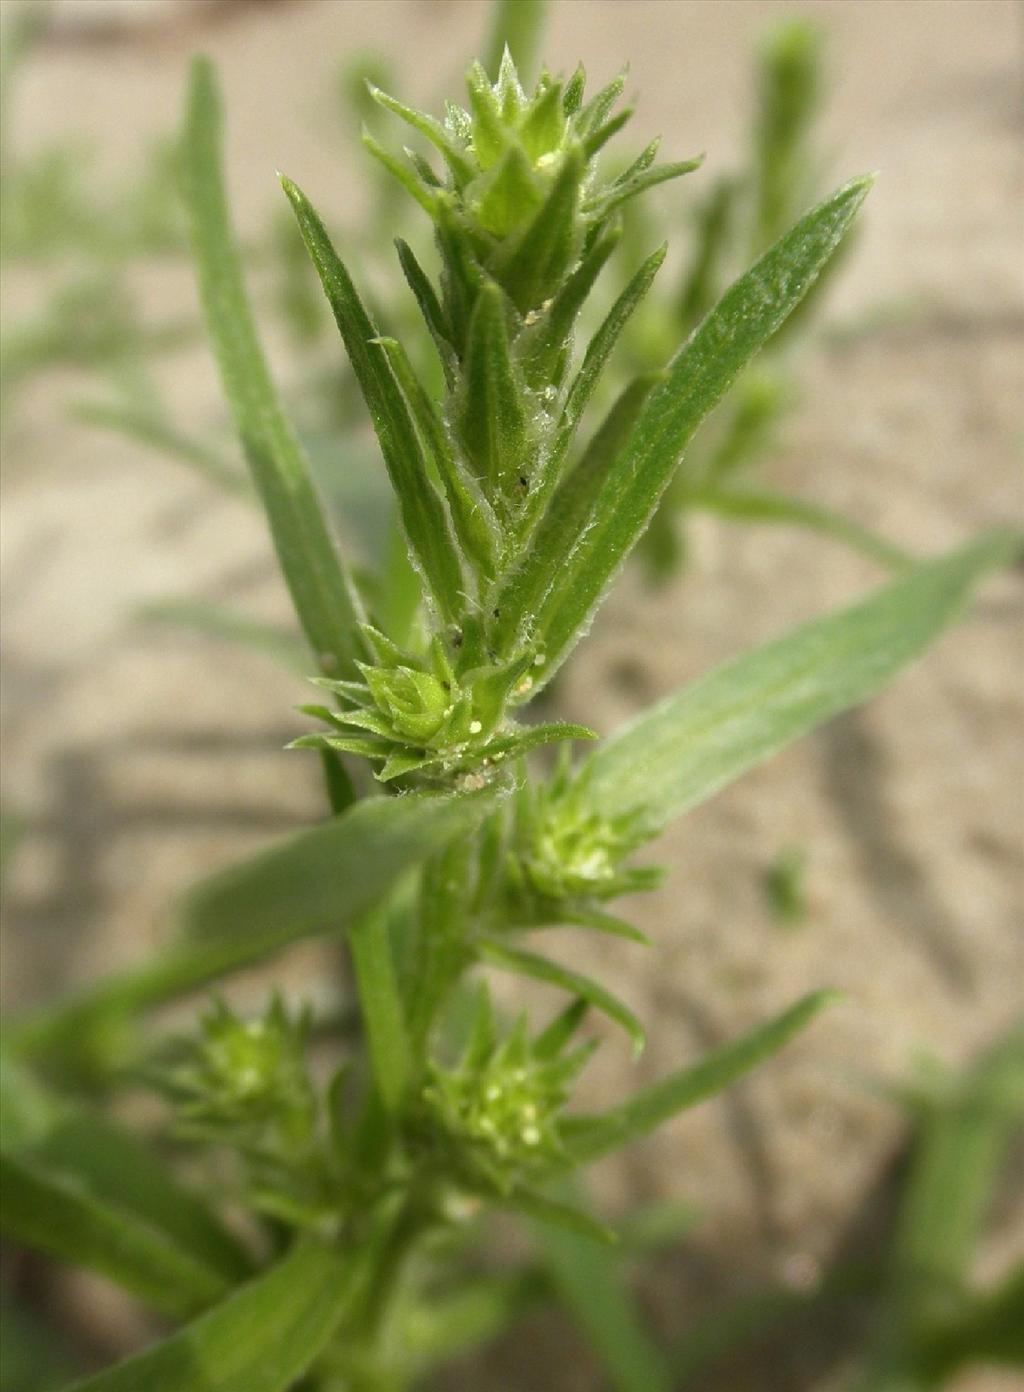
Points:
x=590, y=1137
x=319, y=881
x=423, y=515
x=585, y=561
x=696, y=741
x=319, y=586
x=49, y=1211
x=262, y=1339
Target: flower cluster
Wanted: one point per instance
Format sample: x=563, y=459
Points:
x=568, y=853
x=415, y=716
x=492, y=1120
x=247, y=1079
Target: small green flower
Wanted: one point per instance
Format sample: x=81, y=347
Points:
x=568, y=852
x=418, y=720
x=494, y=1118
x=247, y=1077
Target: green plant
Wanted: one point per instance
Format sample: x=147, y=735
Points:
x=739, y=217
x=367, y=1188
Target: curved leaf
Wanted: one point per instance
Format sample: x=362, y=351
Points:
x=688, y=746
x=590, y=1137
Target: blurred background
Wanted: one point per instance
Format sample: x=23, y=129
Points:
x=149, y=673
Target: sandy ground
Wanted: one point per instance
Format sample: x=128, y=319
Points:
x=141, y=759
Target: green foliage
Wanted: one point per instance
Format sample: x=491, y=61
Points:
x=360, y=1181
x=740, y=216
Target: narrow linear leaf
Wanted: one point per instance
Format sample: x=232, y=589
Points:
x=529, y=581
x=573, y=498
x=558, y=1215
x=492, y=419
x=472, y=517
x=957, y=1158
x=696, y=380
x=380, y=1003
x=696, y=741
x=590, y=1137
x=589, y=1280
x=430, y=308
x=536, y=261
x=515, y=959
x=621, y=193
x=320, y=589
x=457, y=161
x=423, y=515
x=413, y=182
x=49, y=1212
x=262, y=1339
x=600, y=347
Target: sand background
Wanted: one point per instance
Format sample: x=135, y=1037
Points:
x=140, y=759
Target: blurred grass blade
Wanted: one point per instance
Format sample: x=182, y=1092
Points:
x=588, y=1278
x=989, y=1331
x=583, y=564
x=213, y=621
x=514, y=959
x=517, y=25
x=467, y=1318
x=262, y=1339
x=49, y=1211
x=423, y=515
x=590, y=1137
x=149, y=429
x=319, y=587
x=688, y=746
x=957, y=1159
x=750, y=505
x=319, y=881
x=554, y=1213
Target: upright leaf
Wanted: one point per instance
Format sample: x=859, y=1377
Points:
x=575, y=573
x=423, y=515
x=688, y=746
x=387, y=1039
x=320, y=589
x=589, y=1280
